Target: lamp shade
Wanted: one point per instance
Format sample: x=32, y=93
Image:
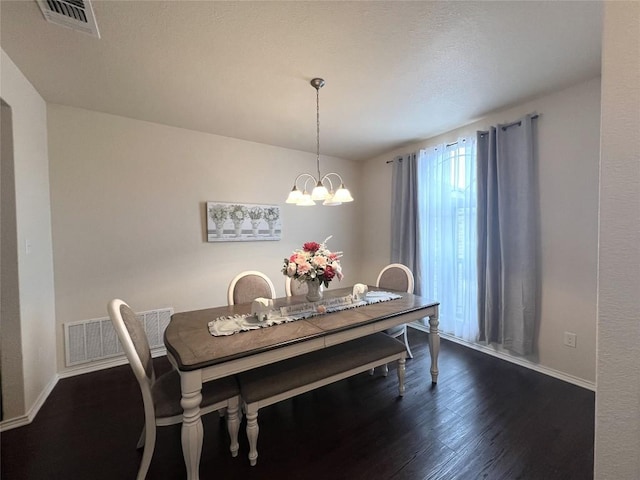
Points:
x=331, y=201
x=306, y=201
x=343, y=195
x=295, y=196
x=319, y=192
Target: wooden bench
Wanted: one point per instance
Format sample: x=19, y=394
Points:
x=282, y=380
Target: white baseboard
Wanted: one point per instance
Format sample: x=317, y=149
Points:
x=14, y=423
x=517, y=360
x=26, y=419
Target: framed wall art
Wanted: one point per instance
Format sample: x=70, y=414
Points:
x=242, y=222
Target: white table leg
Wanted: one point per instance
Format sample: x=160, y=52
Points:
x=401, y=373
x=434, y=345
x=233, y=426
x=252, y=435
x=192, y=433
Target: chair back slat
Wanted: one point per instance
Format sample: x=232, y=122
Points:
x=138, y=337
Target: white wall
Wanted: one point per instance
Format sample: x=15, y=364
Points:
x=617, y=441
x=569, y=127
x=33, y=225
x=128, y=213
x=10, y=335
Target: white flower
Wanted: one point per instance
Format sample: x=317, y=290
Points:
x=218, y=213
x=291, y=269
x=255, y=213
x=271, y=214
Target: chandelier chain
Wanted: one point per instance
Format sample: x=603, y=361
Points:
x=318, y=130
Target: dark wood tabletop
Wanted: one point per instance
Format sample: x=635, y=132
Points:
x=188, y=340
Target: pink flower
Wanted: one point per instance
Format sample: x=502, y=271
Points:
x=311, y=247
x=304, y=268
x=329, y=273
x=300, y=259
x=319, y=261
x=338, y=269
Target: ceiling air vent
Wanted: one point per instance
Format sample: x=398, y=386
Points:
x=74, y=14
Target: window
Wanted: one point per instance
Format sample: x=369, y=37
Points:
x=448, y=238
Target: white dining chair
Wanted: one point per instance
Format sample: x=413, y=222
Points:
x=294, y=287
x=161, y=396
x=247, y=286
x=398, y=277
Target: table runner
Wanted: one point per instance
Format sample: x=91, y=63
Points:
x=228, y=325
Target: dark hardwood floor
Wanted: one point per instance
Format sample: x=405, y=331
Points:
x=486, y=419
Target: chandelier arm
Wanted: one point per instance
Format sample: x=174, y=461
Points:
x=328, y=180
x=308, y=175
x=326, y=176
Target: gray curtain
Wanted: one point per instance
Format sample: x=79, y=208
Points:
x=508, y=267
x=404, y=215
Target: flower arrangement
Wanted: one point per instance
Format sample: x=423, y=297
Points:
x=218, y=213
x=313, y=262
x=271, y=214
x=255, y=213
x=238, y=213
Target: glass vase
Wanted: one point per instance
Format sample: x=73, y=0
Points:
x=315, y=292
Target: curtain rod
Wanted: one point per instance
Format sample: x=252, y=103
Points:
x=504, y=127
x=519, y=122
x=453, y=143
x=446, y=146
x=508, y=125
x=399, y=157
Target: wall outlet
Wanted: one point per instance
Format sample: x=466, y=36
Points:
x=570, y=339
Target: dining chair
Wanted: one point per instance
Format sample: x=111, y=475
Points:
x=161, y=396
x=249, y=285
x=294, y=287
x=398, y=277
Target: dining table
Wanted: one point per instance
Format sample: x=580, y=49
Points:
x=201, y=357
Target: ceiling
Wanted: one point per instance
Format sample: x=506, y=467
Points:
x=396, y=72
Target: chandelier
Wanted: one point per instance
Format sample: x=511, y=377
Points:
x=323, y=187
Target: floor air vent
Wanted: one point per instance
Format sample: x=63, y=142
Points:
x=90, y=340
x=74, y=14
